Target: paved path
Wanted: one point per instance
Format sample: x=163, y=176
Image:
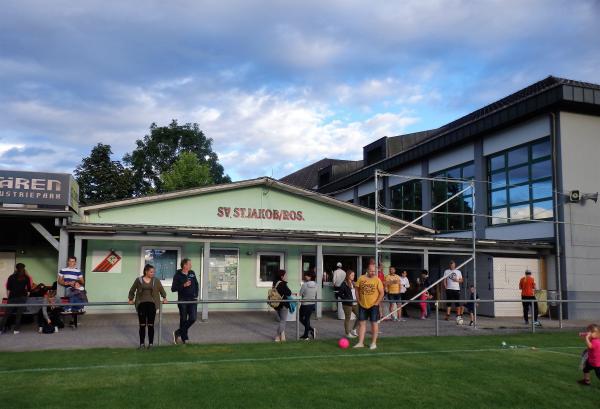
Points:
x=120, y=330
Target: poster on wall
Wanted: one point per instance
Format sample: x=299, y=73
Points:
x=106, y=261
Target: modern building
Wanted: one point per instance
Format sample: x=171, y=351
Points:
x=533, y=157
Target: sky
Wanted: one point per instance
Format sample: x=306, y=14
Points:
x=276, y=84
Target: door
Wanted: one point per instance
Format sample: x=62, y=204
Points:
x=7, y=267
x=507, y=274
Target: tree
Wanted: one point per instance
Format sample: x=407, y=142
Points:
x=101, y=179
x=187, y=172
x=156, y=153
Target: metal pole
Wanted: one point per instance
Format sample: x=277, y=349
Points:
x=376, y=222
x=437, y=319
x=160, y=315
x=298, y=321
x=474, y=237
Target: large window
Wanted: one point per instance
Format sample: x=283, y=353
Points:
x=223, y=274
x=443, y=190
x=521, y=183
x=164, y=259
x=268, y=264
x=404, y=198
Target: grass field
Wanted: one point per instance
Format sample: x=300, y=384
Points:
x=420, y=372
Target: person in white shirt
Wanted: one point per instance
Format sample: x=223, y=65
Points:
x=404, y=285
x=339, y=276
x=452, y=285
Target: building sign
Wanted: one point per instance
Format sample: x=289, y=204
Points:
x=265, y=214
x=106, y=262
x=36, y=188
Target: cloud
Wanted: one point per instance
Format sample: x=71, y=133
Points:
x=275, y=84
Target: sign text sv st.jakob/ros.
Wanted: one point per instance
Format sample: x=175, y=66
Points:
x=260, y=214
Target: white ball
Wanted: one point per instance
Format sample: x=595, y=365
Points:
x=459, y=321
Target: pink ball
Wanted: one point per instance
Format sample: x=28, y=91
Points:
x=344, y=343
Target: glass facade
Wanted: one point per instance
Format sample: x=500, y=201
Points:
x=442, y=190
x=521, y=183
x=404, y=198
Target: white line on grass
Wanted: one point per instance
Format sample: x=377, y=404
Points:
x=267, y=359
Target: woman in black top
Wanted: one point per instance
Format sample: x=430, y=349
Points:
x=280, y=284
x=348, y=292
x=18, y=286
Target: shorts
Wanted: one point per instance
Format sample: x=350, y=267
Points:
x=588, y=368
x=453, y=295
x=470, y=307
x=395, y=297
x=368, y=314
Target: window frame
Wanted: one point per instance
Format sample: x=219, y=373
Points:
x=466, y=220
x=529, y=183
x=267, y=284
x=143, y=260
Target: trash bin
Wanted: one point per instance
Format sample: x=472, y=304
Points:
x=542, y=297
x=553, y=309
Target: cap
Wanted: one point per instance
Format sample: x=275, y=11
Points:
x=527, y=271
x=339, y=264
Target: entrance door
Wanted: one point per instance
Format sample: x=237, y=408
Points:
x=507, y=274
x=7, y=267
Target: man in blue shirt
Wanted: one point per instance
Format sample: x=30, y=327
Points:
x=185, y=284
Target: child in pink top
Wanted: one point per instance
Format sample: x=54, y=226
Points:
x=592, y=340
x=423, y=297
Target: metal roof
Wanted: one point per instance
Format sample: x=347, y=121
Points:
x=543, y=96
x=149, y=232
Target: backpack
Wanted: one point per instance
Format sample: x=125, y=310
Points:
x=274, y=297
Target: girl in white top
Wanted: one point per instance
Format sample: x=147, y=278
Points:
x=404, y=284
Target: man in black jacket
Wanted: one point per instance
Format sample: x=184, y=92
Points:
x=185, y=284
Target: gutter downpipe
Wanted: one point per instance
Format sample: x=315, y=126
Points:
x=556, y=217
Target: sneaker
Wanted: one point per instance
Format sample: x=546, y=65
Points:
x=149, y=346
x=142, y=346
x=314, y=333
x=176, y=338
x=40, y=329
x=16, y=332
x=359, y=345
x=283, y=337
x=277, y=339
x=55, y=329
x=537, y=323
x=423, y=318
x=395, y=319
x=373, y=346
x=447, y=317
x=303, y=338
x=584, y=382
x=353, y=332
x=470, y=323
x=350, y=335
x=403, y=320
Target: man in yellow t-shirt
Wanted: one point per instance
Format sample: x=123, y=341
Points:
x=393, y=288
x=370, y=293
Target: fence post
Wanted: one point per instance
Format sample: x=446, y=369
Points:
x=160, y=308
x=437, y=322
x=298, y=322
x=532, y=317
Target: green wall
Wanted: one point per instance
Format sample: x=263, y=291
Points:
x=41, y=261
x=115, y=286
x=202, y=210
